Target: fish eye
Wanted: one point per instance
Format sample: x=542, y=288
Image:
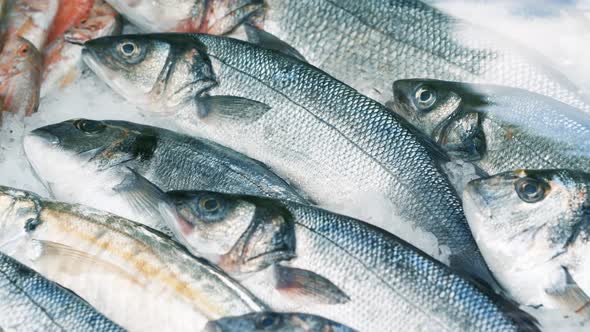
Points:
x=424, y=97
x=267, y=322
x=531, y=190
x=89, y=126
x=23, y=50
x=128, y=49
x=209, y=204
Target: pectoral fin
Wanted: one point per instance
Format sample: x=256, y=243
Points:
x=74, y=262
x=307, y=286
x=271, y=42
x=142, y=195
x=566, y=291
x=231, y=108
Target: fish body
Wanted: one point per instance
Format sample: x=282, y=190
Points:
x=275, y=321
x=29, y=302
x=114, y=165
x=20, y=77
x=213, y=16
x=300, y=258
x=533, y=227
x=139, y=278
x=346, y=151
x=62, y=59
x=29, y=19
x=69, y=13
x=497, y=128
x=370, y=44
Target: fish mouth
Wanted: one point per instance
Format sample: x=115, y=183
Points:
x=212, y=326
x=475, y=206
x=34, y=144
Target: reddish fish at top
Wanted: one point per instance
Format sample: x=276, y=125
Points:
x=213, y=16
x=62, y=59
x=30, y=19
x=69, y=13
x=20, y=71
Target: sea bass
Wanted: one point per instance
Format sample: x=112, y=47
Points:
x=533, y=227
x=211, y=16
x=114, y=165
x=498, y=128
x=300, y=258
x=29, y=302
x=62, y=59
x=29, y=19
x=346, y=151
x=20, y=77
x=275, y=321
x=135, y=276
x=369, y=44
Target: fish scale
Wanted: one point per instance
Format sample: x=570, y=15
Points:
x=25, y=294
x=369, y=44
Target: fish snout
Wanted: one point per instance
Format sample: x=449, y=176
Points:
x=43, y=135
x=212, y=326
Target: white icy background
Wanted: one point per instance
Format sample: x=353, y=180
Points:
x=558, y=29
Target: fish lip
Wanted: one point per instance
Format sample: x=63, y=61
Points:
x=212, y=326
x=45, y=135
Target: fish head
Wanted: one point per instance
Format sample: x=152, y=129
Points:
x=515, y=213
x=448, y=112
x=239, y=233
x=79, y=148
x=102, y=20
x=273, y=321
x=20, y=77
x=161, y=72
x=19, y=217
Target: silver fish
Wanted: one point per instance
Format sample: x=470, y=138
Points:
x=114, y=165
x=369, y=44
x=498, y=128
x=346, y=151
x=29, y=302
x=300, y=258
x=275, y=321
x=137, y=277
x=533, y=227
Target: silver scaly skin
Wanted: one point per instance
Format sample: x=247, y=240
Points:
x=275, y=321
x=370, y=44
x=346, y=151
x=29, y=302
x=137, y=277
x=113, y=165
x=533, y=227
x=497, y=128
x=300, y=258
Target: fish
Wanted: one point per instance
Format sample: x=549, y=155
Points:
x=29, y=19
x=301, y=258
x=347, y=152
x=121, y=167
x=20, y=75
x=62, y=59
x=498, y=128
x=533, y=228
x=29, y=302
x=275, y=321
x=212, y=16
x=69, y=13
x=370, y=44
x=139, y=278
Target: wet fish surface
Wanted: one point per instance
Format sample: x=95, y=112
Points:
x=20, y=77
x=300, y=258
x=370, y=44
x=137, y=277
x=62, y=59
x=114, y=165
x=275, y=321
x=497, y=128
x=29, y=302
x=338, y=146
x=533, y=227
x=29, y=19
